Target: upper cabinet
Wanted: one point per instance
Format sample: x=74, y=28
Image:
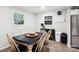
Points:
x=75, y=11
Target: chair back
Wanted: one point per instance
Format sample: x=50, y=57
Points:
x=41, y=42
x=12, y=43
x=48, y=35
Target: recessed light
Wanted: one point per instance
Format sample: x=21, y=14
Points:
x=43, y=7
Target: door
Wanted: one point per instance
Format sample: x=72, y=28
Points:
x=73, y=30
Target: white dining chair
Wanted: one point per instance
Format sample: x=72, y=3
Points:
x=12, y=43
x=41, y=42
x=47, y=42
x=48, y=36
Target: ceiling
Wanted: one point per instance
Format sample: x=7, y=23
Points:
x=37, y=9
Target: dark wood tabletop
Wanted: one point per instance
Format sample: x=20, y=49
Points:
x=28, y=40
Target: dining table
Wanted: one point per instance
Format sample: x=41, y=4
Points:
x=28, y=41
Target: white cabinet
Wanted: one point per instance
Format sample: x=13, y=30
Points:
x=74, y=12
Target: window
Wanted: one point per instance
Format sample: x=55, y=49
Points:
x=48, y=20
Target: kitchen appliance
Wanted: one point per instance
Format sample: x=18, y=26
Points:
x=75, y=31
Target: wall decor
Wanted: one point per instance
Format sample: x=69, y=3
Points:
x=59, y=17
x=48, y=20
x=18, y=19
x=59, y=12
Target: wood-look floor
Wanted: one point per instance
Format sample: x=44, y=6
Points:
x=53, y=47
x=60, y=47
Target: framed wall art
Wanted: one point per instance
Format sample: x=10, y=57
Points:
x=18, y=19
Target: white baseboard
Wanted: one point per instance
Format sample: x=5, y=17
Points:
x=5, y=47
x=68, y=45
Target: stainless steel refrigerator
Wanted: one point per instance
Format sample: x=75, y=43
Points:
x=75, y=31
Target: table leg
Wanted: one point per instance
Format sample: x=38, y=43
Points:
x=29, y=48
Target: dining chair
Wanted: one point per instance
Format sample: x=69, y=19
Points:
x=22, y=46
x=41, y=42
x=13, y=45
x=47, y=42
x=48, y=36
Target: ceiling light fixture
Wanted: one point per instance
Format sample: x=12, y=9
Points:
x=43, y=7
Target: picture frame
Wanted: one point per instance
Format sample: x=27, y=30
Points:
x=19, y=24
x=18, y=19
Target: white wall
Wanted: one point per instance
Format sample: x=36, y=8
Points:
x=58, y=26
x=6, y=24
